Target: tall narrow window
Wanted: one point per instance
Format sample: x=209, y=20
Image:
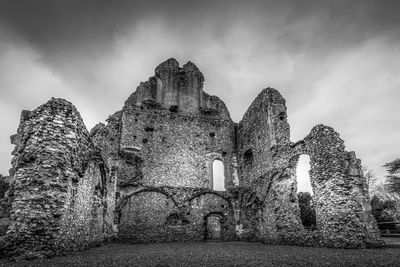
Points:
x=218, y=175
x=304, y=193
x=302, y=174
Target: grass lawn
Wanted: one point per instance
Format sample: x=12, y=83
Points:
x=220, y=254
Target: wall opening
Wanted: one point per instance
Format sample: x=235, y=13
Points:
x=303, y=175
x=218, y=175
x=213, y=223
x=305, y=193
x=248, y=157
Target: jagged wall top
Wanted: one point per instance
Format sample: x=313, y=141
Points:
x=268, y=97
x=178, y=89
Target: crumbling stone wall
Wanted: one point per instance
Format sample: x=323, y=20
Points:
x=146, y=175
x=170, y=131
x=57, y=184
x=157, y=214
x=265, y=166
x=168, y=134
x=177, y=149
x=340, y=192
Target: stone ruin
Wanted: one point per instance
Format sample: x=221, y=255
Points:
x=146, y=175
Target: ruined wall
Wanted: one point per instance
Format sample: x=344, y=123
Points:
x=177, y=150
x=146, y=175
x=164, y=143
x=56, y=172
x=167, y=135
x=179, y=135
x=263, y=127
x=263, y=138
x=340, y=192
x=159, y=214
x=268, y=162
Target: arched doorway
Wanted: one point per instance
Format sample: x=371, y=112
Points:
x=213, y=226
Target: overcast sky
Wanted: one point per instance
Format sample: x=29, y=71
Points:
x=335, y=62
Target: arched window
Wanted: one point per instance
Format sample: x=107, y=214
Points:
x=218, y=175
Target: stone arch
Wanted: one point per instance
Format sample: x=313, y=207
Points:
x=125, y=198
x=144, y=214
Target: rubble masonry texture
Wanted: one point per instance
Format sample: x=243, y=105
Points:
x=146, y=176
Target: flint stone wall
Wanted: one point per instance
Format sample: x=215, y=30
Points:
x=146, y=175
x=57, y=182
x=159, y=214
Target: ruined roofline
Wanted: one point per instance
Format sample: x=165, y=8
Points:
x=179, y=89
x=172, y=63
x=56, y=103
x=52, y=103
x=128, y=105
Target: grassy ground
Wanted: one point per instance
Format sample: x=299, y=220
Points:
x=220, y=254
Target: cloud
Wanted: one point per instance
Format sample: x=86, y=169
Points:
x=358, y=96
x=24, y=83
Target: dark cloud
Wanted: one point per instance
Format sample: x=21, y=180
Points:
x=59, y=25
